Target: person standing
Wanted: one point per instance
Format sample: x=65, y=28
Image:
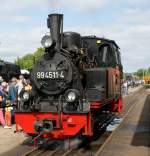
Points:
x=12, y=93
x=126, y=87
x=19, y=87
x=8, y=109
x=5, y=105
x=2, y=120
x=27, y=85
x=19, y=84
x=1, y=80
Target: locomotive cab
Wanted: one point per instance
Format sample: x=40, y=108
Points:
x=103, y=77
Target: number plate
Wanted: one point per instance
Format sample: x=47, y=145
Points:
x=50, y=75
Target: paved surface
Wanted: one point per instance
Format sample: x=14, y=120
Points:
x=133, y=137
x=9, y=142
x=134, y=89
x=131, y=90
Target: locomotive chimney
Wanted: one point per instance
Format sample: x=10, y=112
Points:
x=55, y=23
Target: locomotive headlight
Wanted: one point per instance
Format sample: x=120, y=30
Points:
x=71, y=95
x=46, y=41
x=25, y=96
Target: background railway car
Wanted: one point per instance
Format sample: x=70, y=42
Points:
x=147, y=79
x=76, y=85
x=8, y=70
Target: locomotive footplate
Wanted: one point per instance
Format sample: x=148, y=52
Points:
x=48, y=124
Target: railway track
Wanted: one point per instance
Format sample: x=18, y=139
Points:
x=90, y=147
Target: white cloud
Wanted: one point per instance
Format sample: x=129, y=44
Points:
x=143, y=2
x=12, y=10
x=81, y=5
x=17, y=5
x=14, y=18
x=136, y=16
x=131, y=3
x=18, y=43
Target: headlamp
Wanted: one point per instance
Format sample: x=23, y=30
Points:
x=46, y=41
x=25, y=96
x=71, y=95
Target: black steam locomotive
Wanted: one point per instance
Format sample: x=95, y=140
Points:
x=74, y=82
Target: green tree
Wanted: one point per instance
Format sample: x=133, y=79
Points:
x=143, y=72
x=38, y=53
x=148, y=71
x=27, y=61
x=140, y=72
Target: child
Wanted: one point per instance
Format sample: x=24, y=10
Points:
x=27, y=85
x=8, y=109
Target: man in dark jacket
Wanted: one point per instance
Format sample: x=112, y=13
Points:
x=12, y=93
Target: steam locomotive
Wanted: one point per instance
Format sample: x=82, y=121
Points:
x=73, y=84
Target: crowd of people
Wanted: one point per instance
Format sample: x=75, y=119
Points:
x=131, y=84
x=10, y=98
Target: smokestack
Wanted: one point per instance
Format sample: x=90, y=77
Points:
x=55, y=23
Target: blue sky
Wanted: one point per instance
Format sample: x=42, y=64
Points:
x=23, y=22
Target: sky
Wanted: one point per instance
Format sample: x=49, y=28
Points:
x=23, y=23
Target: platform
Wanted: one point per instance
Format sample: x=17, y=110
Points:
x=132, y=138
x=12, y=144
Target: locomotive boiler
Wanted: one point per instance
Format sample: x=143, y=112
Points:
x=73, y=84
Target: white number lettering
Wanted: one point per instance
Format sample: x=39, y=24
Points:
x=62, y=74
x=38, y=75
x=42, y=75
x=50, y=75
x=47, y=75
